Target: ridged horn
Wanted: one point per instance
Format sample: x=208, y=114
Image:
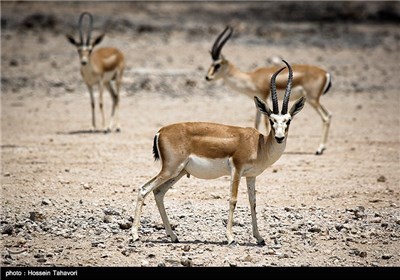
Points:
x=274, y=97
x=90, y=27
x=288, y=89
x=217, y=47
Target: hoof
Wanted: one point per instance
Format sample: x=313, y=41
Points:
x=133, y=240
x=233, y=243
x=261, y=243
x=320, y=151
x=176, y=240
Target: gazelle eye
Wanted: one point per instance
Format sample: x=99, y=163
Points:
x=271, y=122
x=288, y=122
x=217, y=66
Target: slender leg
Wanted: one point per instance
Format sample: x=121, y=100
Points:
x=118, y=82
x=326, y=121
x=159, y=194
x=92, y=105
x=101, y=106
x=114, y=109
x=251, y=188
x=257, y=120
x=235, y=180
x=144, y=190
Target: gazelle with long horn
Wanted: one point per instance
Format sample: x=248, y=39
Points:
x=211, y=150
x=308, y=80
x=100, y=67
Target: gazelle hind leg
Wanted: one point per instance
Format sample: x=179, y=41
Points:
x=159, y=194
x=101, y=106
x=235, y=181
x=326, y=122
x=257, y=119
x=144, y=190
x=114, y=120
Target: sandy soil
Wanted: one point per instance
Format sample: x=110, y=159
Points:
x=68, y=195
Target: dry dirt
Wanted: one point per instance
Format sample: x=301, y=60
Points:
x=68, y=195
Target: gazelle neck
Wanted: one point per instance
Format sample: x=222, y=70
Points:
x=239, y=81
x=89, y=74
x=273, y=150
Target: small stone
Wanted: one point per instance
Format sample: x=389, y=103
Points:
x=248, y=258
x=108, y=219
x=386, y=256
x=46, y=201
x=381, y=179
x=36, y=216
x=363, y=254
x=7, y=229
x=186, y=262
x=125, y=225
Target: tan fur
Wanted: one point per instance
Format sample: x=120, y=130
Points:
x=210, y=150
x=309, y=80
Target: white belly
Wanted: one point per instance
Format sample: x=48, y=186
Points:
x=205, y=168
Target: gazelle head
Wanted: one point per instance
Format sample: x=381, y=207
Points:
x=280, y=121
x=219, y=64
x=85, y=48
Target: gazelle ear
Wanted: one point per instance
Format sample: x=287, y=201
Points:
x=98, y=40
x=71, y=39
x=262, y=106
x=297, y=106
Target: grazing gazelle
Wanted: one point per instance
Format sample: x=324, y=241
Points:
x=308, y=80
x=100, y=67
x=211, y=150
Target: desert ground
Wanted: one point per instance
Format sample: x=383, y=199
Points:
x=68, y=194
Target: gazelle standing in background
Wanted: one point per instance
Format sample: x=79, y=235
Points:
x=100, y=67
x=211, y=150
x=308, y=80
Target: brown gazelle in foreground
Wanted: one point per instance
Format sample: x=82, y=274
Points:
x=100, y=67
x=308, y=80
x=211, y=150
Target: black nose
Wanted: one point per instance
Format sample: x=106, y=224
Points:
x=279, y=139
x=83, y=62
x=207, y=78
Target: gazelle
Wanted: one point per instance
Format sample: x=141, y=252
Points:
x=308, y=80
x=211, y=150
x=100, y=67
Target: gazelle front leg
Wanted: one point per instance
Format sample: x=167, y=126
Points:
x=235, y=181
x=92, y=105
x=251, y=188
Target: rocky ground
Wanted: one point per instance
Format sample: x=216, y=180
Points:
x=68, y=195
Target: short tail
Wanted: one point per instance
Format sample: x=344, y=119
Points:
x=156, y=153
x=328, y=83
